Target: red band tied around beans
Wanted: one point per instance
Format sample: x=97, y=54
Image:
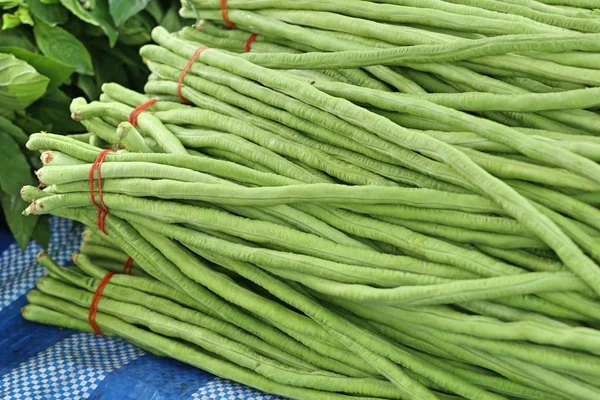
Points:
x=139, y=109
x=128, y=267
x=225, y=15
x=102, y=208
x=96, y=300
x=185, y=70
x=248, y=44
x=229, y=23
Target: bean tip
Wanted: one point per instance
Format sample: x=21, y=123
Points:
x=46, y=157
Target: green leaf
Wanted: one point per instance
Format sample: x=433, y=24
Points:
x=29, y=124
x=10, y=21
x=51, y=14
x=97, y=14
x=125, y=54
x=172, y=21
x=24, y=16
x=105, y=70
x=137, y=31
x=53, y=108
x=14, y=168
x=41, y=233
x=20, y=83
x=7, y=4
x=57, y=43
x=121, y=10
x=18, y=37
x=20, y=226
x=156, y=10
x=21, y=16
x=88, y=86
x=55, y=70
x=8, y=128
x=14, y=174
x=8, y=114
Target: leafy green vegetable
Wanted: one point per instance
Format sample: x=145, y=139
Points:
x=13, y=165
x=97, y=15
x=18, y=37
x=54, y=109
x=88, y=86
x=7, y=127
x=41, y=233
x=20, y=83
x=14, y=173
x=51, y=14
x=57, y=43
x=136, y=31
x=58, y=72
x=21, y=227
x=29, y=124
x=21, y=16
x=52, y=51
x=172, y=21
x=121, y=11
x=155, y=10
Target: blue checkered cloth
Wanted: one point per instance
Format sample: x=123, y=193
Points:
x=44, y=363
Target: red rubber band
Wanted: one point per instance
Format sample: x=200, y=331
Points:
x=225, y=15
x=96, y=300
x=102, y=208
x=185, y=70
x=128, y=267
x=138, y=110
x=248, y=44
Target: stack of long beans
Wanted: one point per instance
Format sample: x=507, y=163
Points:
x=294, y=223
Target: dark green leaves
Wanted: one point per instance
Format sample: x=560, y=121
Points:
x=121, y=10
x=41, y=233
x=53, y=108
x=155, y=10
x=58, y=72
x=172, y=21
x=56, y=50
x=14, y=174
x=14, y=169
x=96, y=14
x=51, y=14
x=18, y=37
x=8, y=128
x=57, y=43
x=20, y=83
x=20, y=226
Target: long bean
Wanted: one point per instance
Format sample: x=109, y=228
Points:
x=291, y=194
x=146, y=122
x=389, y=13
x=233, y=351
x=517, y=206
x=178, y=350
x=367, y=344
x=144, y=251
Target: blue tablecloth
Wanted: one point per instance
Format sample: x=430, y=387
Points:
x=42, y=362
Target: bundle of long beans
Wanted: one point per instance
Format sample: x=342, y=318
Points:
x=301, y=227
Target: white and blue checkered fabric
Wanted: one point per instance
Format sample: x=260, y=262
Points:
x=45, y=363
x=19, y=270
x=220, y=389
x=71, y=369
